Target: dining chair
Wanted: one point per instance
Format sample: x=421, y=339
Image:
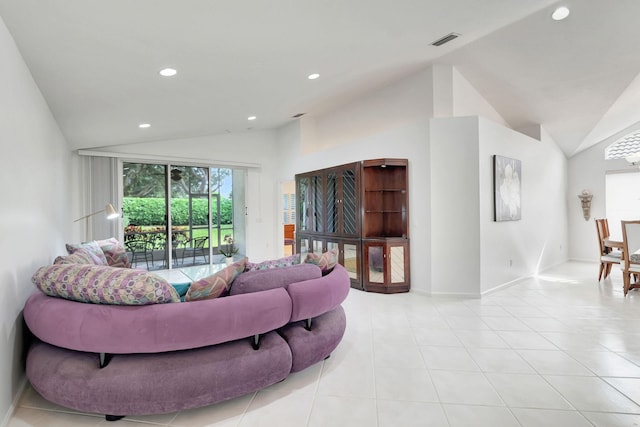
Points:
x=608, y=257
x=290, y=237
x=631, y=249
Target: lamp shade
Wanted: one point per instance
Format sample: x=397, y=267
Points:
x=110, y=211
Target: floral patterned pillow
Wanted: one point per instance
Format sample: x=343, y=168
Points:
x=81, y=256
x=101, y=284
x=275, y=263
x=114, y=252
x=92, y=248
x=326, y=260
x=216, y=285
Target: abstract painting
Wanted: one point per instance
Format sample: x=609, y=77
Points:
x=507, y=174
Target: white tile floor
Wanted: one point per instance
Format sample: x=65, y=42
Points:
x=557, y=350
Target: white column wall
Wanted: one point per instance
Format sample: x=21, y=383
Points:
x=455, y=232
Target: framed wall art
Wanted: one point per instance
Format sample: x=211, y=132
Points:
x=507, y=174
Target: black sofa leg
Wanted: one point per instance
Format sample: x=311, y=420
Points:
x=114, y=417
x=105, y=358
x=255, y=343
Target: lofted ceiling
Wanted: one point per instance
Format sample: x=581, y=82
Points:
x=97, y=62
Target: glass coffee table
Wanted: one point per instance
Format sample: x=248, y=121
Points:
x=181, y=278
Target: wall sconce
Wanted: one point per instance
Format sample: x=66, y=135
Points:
x=585, y=200
x=110, y=212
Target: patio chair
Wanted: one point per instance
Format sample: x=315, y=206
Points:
x=141, y=249
x=196, y=247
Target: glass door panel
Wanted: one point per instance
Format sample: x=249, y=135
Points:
x=222, y=209
x=144, y=208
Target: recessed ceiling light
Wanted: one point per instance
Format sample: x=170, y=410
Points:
x=168, y=72
x=313, y=76
x=144, y=125
x=560, y=13
x=251, y=118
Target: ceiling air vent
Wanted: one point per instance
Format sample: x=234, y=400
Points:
x=445, y=39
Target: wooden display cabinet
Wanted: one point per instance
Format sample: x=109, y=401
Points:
x=362, y=209
x=385, y=225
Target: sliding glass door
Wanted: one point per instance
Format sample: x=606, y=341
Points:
x=175, y=216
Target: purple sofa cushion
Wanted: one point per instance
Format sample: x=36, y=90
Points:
x=261, y=280
x=311, y=346
x=155, y=328
x=140, y=384
x=101, y=284
x=314, y=297
x=215, y=285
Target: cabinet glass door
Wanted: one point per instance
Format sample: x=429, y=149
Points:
x=318, y=206
x=348, y=202
x=375, y=267
x=333, y=201
x=304, y=203
x=397, y=264
x=350, y=260
x=303, y=247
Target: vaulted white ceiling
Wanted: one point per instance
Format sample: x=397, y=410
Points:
x=97, y=62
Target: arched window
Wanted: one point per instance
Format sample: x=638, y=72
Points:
x=624, y=147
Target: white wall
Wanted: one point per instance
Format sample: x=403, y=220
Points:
x=450, y=178
x=485, y=254
x=34, y=218
x=455, y=207
x=587, y=171
x=514, y=249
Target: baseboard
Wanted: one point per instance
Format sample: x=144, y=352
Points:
x=14, y=404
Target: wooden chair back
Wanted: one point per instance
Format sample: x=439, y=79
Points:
x=631, y=242
x=602, y=225
x=289, y=231
x=631, y=254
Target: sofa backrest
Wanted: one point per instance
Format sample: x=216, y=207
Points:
x=155, y=328
x=314, y=297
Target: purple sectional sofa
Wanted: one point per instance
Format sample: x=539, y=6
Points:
x=123, y=360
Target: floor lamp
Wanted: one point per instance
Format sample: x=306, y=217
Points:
x=108, y=209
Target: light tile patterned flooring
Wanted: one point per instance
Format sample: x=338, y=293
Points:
x=556, y=350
